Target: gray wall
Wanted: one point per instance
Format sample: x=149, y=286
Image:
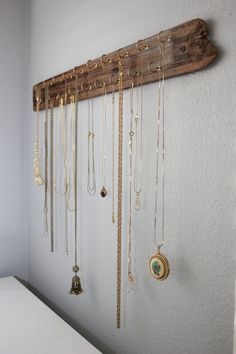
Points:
x=13, y=235
x=192, y=311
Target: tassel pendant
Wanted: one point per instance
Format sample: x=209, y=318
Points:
x=76, y=288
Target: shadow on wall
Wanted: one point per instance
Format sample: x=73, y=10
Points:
x=87, y=335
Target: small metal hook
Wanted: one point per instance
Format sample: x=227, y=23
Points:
x=98, y=83
x=112, y=81
x=153, y=70
x=104, y=60
x=166, y=39
x=133, y=73
x=141, y=48
x=120, y=55
x=93, y=66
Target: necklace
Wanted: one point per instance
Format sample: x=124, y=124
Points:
x=71, y=158
x=76, y=288
x=91, y=182
x=51, y=175
x=131, y=135
x=103, y=192
x=46, y=163
x=61, y=128
x=113, y=218
x=139, y=143
x=119, y=195
x=158, y=264
x=37, y=168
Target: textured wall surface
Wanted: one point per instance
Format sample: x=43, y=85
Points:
x=13, y=235
x=192, y=311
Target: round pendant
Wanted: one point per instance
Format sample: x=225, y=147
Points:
x=159, y=266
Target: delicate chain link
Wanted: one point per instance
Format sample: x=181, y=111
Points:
x=104, y=152
x=46, y=163
x=160, y=120
x=71, y=158
x=119, y=196
x=91, y=187
x=131, y=134
x=52, y=175
x=113, y=158
x=139, y=142
x=62, y=125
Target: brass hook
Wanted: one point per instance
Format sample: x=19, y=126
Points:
x=158, y=68
x=111, y=80
x=166, y=39
x=141, y=48
x=120, y=55
x=93, y=66
x=98, y=83
x=133, y=73
x=104, y=61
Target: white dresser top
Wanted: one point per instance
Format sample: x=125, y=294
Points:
x=28, y=326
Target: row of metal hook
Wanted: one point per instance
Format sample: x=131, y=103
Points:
x=153, y=68
x=91, y=65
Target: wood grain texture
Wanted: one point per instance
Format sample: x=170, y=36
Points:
x=188, y=50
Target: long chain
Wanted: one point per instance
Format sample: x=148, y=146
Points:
x=91, y=182
x=113, y=218
x=71, y=158
x=139, y=143
x=131, y=135
x=160, y=121
x=76, y=288
x=62, y=127
x=37, y=168
x=76, y=184
x=52, y=175
x=46, y=163
x=104, y=149
x=119, y=196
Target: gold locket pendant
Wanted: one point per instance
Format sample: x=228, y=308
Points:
x=159, y=266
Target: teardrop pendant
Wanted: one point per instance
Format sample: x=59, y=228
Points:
x=137, y=202
x=103, y=192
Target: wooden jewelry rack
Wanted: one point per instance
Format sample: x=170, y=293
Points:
x=187, y=49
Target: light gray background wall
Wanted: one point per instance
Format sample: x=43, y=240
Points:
x=13, y=237
x=192, y=311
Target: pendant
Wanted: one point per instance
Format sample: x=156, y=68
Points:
x=159, y=266
x=137, y=202
x=103, y=192
x=76, y=288
x=39, y=180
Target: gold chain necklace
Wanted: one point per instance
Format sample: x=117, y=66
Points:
x=139, y=143
x=131, y=135
x=91, y=181
x=104, y=192
x=51, y=175
x=158, y=264
x=113, y=218
x=46, y=162
x=39, y=180
x=61, y=127
x=119, y=195
x=76, y=288
x=71, y=158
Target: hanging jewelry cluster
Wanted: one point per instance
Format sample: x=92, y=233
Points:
x=56, y=154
